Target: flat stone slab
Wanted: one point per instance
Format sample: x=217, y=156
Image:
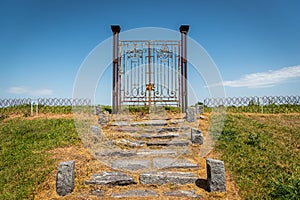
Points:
x=156, y=152
x=96, y=130
x=160, y=178
x=130, y=143
x=130, y=164
x=176, y=121
x=168, y=143
x=183, y=193
x=161, y=136
x=119, y=123
x=128, y=129
x=135, y=193
x=150, y=123
x=111, y=178
x=173, y=129
x=113, y=153
x=170, y=163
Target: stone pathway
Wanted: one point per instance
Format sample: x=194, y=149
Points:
x=158, y=152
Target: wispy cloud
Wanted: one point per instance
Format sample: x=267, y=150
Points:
x=265, y=79
x=28, y=91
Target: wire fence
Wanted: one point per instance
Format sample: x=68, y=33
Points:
x=29, y=107
x=266, y=104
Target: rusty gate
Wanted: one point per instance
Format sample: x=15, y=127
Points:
x=149, y=72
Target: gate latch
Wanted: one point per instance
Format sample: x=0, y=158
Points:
x=150, y=87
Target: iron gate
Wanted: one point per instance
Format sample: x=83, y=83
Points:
x=149, y=72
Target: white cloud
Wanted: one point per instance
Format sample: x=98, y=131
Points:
x=265, y=79
x=28, y=91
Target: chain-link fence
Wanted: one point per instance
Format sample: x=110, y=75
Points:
x=271, y=104
x=29, y=107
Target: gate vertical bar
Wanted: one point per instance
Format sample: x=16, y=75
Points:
x=115, y=89
x=184, y=89
x=149, y=71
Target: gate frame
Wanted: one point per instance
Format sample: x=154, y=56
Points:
x=116, y=73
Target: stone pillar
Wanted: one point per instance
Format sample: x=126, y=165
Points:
x=216, y=180
x=65, y=178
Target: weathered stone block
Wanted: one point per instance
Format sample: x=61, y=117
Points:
x=183, y=193
x=216, y=179
x=116, y=153
x=196, y=136
x=111, y=178
x=160, y=178
x=199, y=109
x=65, y=178
x=168, y=143
x=135, y=193
x=171, y=163
x=131, y=164
x=97, y=110
x=96, y=130
x=191, y=114
x=104, y=118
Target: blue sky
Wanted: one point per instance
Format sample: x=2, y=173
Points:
x=254, y=44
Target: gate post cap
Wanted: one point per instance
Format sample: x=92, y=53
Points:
x=184, y=28
x=115, y=28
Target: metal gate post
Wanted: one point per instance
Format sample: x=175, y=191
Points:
x=184, y=88
x=115, y=89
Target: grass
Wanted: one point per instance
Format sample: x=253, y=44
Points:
x=262, y=152
x=24, y=161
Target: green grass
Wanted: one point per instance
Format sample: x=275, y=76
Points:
x=263, y=154
x=24, y=161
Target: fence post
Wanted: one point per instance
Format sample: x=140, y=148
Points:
x=31, y=108
x=262, y=105
x=37, y=107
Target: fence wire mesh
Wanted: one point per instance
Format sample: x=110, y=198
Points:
x=266, y=104
x=27, y=106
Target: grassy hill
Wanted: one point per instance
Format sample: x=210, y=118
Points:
x=261, y=151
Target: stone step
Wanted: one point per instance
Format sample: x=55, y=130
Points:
x=111, y=178
x=168, y=143
x=156, y=152
x=183, y=193
x=150, y=123
x=129, y=143
x=142, y=152
x=116, y=153
x=173, y=129
x=171, y=163
x=175, y=178
x=131, y=164
x=156, y=129
x=155, y=136
x=135, y=193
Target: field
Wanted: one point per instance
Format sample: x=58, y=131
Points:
x=263, y=154
x=260, y=151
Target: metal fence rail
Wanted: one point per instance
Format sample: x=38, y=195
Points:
x=28, y=106
x=266, y=104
